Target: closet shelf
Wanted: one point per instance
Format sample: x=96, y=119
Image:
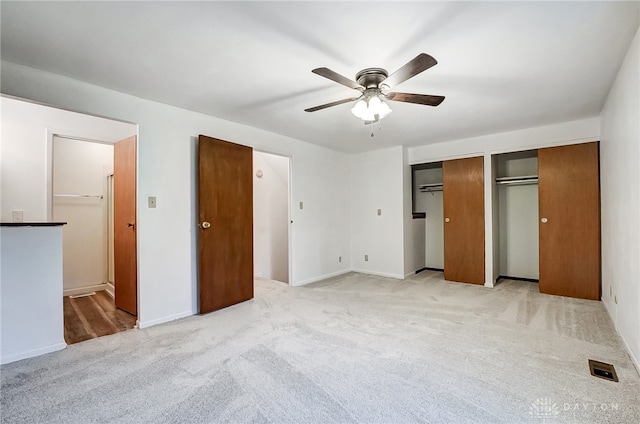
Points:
x=430, y=187
x=521, y=180
x=98, y=196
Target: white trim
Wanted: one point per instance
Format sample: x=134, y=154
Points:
x=379, y=274
x=544, y=145
x=33, y=352
x=635, y=360
x=85, y=290
x=322, y=277
x=110, y=290
x=446, y=158
x=145, y=324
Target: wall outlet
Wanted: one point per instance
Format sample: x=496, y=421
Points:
x=17, y=216
x=379, y=212
x=339, y=258
x=152, y=201
x=366, y=258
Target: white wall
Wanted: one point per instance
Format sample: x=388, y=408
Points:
x=620, y=200
x=527, y=139
x=27, y=130
x=271, y=216
x=167, y=249
x=31, y=321
x=81, y=168
x=377, y=182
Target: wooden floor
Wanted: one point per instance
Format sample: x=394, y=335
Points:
x=93, y=316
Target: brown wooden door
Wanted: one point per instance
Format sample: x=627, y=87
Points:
x=124, y=225
x=569, y=207
x=463, y=198
x=225, y=206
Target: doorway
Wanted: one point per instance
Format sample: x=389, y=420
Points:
x=271, y=203
x=85, y=196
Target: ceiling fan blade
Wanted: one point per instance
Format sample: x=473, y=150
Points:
x=324, y=106
x=421, y=99
x=334, y=76
x=418, y=64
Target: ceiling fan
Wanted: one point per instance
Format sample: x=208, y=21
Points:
x=373, y=85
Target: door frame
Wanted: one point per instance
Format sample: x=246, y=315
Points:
x=73, y=135
x=289, y=210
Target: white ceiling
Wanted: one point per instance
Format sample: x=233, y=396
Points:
x=502, y=65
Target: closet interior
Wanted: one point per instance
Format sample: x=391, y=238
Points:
x=516, y=214
x=428, y=205
x=82, y=196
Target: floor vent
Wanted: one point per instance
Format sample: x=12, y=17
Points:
x=602, y=370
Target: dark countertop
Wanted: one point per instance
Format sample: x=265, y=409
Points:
x=31, y=224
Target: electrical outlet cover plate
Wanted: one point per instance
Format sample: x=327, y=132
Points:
x=17, y=216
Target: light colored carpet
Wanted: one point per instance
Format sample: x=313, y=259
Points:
x=353, y=348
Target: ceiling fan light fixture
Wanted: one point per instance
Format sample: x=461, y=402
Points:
x=360, y=108
x=383, y=109
x=372, y=108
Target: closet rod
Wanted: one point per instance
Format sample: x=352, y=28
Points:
x=78, y=195
x=518, y=182
x=430, y=187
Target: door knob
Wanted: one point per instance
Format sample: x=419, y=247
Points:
x=446, y=220
x=544, y=220
x=206, y=225
x=130, y=224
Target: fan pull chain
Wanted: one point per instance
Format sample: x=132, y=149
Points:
x=373, y=126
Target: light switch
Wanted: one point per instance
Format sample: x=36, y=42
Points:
x=152, y=201
x=379, y=212
x=301, y=205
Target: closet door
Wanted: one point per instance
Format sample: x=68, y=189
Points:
x=225, y=207
x=569, y=207
x=463, y=198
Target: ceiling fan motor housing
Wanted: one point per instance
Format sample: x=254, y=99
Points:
x=371, y=77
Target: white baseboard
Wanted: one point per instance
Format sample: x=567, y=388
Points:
x=84, y=290
x=145, y=324
x=110, y=290
x=634, y=358
x=33, y=352
x=380, y=274
x=320, y=278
